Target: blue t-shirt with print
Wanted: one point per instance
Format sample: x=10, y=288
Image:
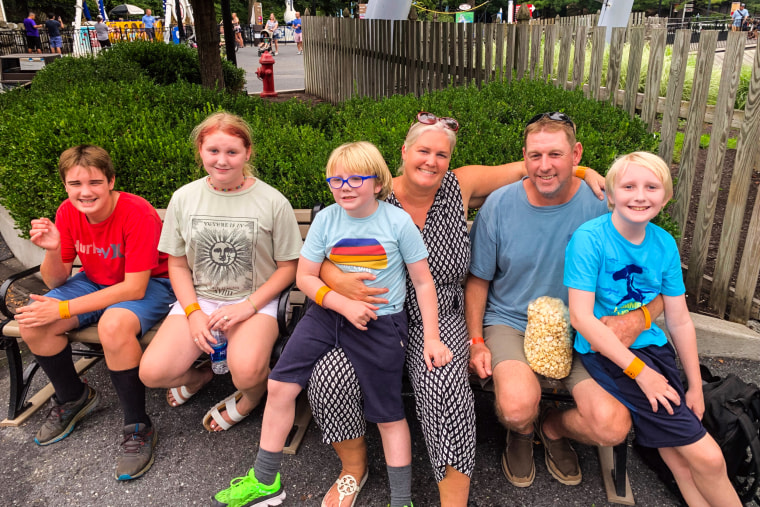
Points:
x=381, y=244
x=624, y=276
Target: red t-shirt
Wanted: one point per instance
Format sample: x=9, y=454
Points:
x=126, y=242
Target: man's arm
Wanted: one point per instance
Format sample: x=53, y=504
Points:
x=629, y=326
x=475, y=295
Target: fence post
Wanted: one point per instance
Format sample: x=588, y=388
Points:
x=673, y=96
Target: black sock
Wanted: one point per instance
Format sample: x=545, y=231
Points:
x=131, y=392
x=267, y=465
x=62, y=374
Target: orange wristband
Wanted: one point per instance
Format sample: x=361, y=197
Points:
x=191, y=308
x=63, y=309
x=580, y=172
x=647, y=317
x=476, y=340
x=321, y=294
x=634, y=368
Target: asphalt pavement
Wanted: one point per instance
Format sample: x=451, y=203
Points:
x=288, y=68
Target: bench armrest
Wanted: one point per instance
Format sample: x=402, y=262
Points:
x=7, y=285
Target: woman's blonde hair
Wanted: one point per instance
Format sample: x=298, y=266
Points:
x=416, y=130
x=228, y=123
x=364, y=159
x=644, y=159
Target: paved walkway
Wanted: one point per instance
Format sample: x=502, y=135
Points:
x=288, y=68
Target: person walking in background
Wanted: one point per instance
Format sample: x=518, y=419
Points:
x=738, y=17
x=298, y=34
x=150, y=25
x=238, y=30
x=101, y=32
x=54, y=26
x=272, y=26
x=33, y=34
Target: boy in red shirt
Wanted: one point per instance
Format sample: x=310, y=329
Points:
x=123, y=287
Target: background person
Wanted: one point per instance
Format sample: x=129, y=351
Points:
x=238, y=31
x=272, y=26
x=437, y=200
x=122, y=287
x=298, y=33
x=233, y=244
x=738, y=17
x=32, y=34
x=54, y=26
x=101, y=32
x=149, y=23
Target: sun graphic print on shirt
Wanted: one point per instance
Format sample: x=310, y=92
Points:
x=359, y=254
x=224, y=254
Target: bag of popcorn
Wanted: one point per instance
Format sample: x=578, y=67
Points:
x=548, y=338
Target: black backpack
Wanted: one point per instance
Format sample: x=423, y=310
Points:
x=732, y=417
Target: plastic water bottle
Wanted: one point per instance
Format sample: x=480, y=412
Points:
x=219, y=356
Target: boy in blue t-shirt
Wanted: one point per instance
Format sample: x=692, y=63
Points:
x=618, y=263
x=358, y=233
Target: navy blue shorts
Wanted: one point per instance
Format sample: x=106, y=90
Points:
x=377, y=356
x=653, y=429
x=149, y=310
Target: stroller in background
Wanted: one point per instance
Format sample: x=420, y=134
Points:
x=265, y=42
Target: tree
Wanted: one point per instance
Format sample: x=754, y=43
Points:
x=207, y=37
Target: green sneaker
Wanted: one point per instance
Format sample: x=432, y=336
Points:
x=247, y=491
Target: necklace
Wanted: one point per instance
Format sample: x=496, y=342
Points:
x=208, y=180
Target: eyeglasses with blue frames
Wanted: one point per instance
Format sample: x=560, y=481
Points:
x=554, y=116
x=354, y=181
x=431, y=119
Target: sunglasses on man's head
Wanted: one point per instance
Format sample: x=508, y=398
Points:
x=431, y=119
x=555, y=116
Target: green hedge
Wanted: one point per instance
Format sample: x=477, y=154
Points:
x=111, y=101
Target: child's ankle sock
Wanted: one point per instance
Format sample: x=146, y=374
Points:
x=267, y=465
x=400, y=480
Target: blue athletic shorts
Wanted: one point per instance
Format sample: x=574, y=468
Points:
x=150, y=309
x=653, y=429
x=376, y=354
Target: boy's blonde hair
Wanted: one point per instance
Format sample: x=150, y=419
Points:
x=227, y=123
x=644, y=159
x=364, y=159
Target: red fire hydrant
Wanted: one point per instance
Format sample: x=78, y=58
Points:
x=266, y=74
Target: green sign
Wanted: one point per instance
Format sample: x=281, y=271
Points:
x=465, y=17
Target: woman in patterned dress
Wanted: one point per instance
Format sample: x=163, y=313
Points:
x=437, y=200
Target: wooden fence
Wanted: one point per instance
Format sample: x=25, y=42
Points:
x=348, y=57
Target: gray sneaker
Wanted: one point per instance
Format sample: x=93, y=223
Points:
x=517, y=459
x=62, y=417
x=136, y=456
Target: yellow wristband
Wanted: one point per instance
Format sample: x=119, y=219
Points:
x=63, y=309
x=255, y=309
x=476, y=340
x=321, y=294
x=191, y=308
x=647, y=317
x=580, y=172
x=634, y=368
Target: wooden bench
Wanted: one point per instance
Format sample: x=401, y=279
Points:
x=289, y=312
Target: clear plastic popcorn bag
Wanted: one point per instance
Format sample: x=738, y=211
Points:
x=548, y=338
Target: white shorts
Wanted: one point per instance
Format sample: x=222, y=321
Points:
x=209, y=305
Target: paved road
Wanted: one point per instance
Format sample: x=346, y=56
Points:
x=288, y=68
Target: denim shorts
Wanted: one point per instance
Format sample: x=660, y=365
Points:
x=150, y=309
x=56, y=42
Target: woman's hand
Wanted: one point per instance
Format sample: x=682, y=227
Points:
x=199, y=331
x=359, y=313
x=45, y=234
x=436, y=353
x=225, y=317
x=657, y=389
x=43, y=311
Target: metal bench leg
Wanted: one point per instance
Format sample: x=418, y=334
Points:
x=620, y=453
x=616, y=483
x=20, y=379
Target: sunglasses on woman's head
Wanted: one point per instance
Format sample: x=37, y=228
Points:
x=555, y=116
x=431, y=119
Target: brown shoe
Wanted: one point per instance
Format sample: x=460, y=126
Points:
x=517, y=459
x=560, y=457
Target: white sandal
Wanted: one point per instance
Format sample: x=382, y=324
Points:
x=347, y=485
x=230, y=405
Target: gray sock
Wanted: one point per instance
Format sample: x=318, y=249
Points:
x=267, y=465
x=400, y=480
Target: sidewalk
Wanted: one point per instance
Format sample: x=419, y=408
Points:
x=288, y=68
